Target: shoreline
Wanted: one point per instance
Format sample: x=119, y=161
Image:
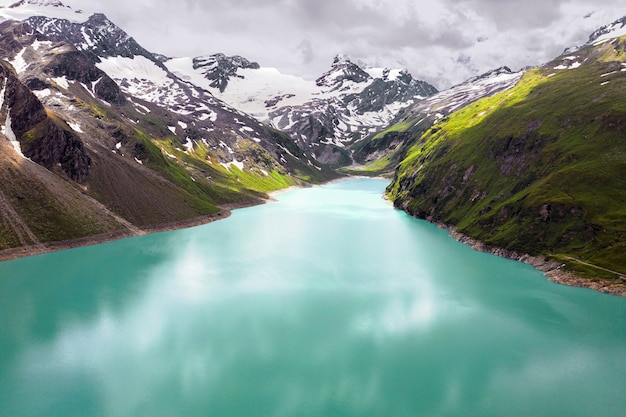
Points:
x=552, y=270
x=224, y=212
x=42, y=248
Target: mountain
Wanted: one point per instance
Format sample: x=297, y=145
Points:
x=608, y=32
x=538, y=168
x=384, y=150
x=102, y=140
x=325, y=117
x=143, y=76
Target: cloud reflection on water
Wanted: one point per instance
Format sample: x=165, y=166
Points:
x=301, y=313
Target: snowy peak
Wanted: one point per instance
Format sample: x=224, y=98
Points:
x=493, y=74
x=97, y=37
x=613, y=30
x=24, y=9
x=219, y=68
x=343, y=70
x=40, y=3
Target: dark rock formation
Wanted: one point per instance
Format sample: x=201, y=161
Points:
x=43, y=138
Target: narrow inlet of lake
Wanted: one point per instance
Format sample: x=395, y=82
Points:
x=328, y=302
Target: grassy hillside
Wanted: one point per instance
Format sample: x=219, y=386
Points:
x=538, y=169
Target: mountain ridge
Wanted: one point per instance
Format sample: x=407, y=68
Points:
x=325, y=116
x=124, y=161
x=534, y=169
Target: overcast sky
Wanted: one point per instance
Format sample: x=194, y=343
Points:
x=443, y=42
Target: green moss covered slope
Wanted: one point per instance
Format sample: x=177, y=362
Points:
x=539, y=169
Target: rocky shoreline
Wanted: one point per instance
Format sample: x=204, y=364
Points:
x=552, y=270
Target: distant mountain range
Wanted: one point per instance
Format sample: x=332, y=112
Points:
x=324, y=117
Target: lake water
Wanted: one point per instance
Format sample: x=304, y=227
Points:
x=326, y=303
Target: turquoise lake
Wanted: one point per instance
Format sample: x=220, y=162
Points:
x=328, y=302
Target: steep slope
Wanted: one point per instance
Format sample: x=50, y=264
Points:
x=197, y=117
x=537, y=169
x=37, y=205
x=325, y=117
x=381, y=152
x=83, y=157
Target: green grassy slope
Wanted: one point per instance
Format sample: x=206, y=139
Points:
x=539, y=169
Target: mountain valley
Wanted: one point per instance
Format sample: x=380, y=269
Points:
x=106, y=139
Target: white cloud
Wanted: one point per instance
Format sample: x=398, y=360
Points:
x=444, y=42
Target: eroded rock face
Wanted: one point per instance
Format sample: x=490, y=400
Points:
x=76, y=67
x=220, y=68
x=105, y=39
x=43, y=139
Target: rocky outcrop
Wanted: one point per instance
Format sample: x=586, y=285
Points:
x=97, y=38
x=219, y=68
x=44, y=139
x=74, y=66
x=343, y=70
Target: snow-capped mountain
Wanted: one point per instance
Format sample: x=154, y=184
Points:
x=485, y=85
x=325, y=116
x=423, y=114
x=607, y=32
x=20, y=10
x=96, y=36
x=82, y=100
x=199, y=119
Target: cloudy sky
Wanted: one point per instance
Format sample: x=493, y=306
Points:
x=443, y=42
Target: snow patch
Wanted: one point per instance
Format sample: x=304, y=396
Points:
x=182, y=124
x=574, y=65
x=609, y=73
x=172, y=129
x=75, y=127
x=140, y=107
x=8, y=132
x=208, y=116
x=19, y=63
x=62, y=82
x=189, y=145
x=38, y=44
x=139, y=67
x=41, y=94
x=605, y=83
x=223, y=145
x=118, y=145
x=234, y=162
x=138, y=161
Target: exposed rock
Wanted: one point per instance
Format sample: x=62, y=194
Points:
x=44, y=140
x=220, y=68
x=98, y=37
